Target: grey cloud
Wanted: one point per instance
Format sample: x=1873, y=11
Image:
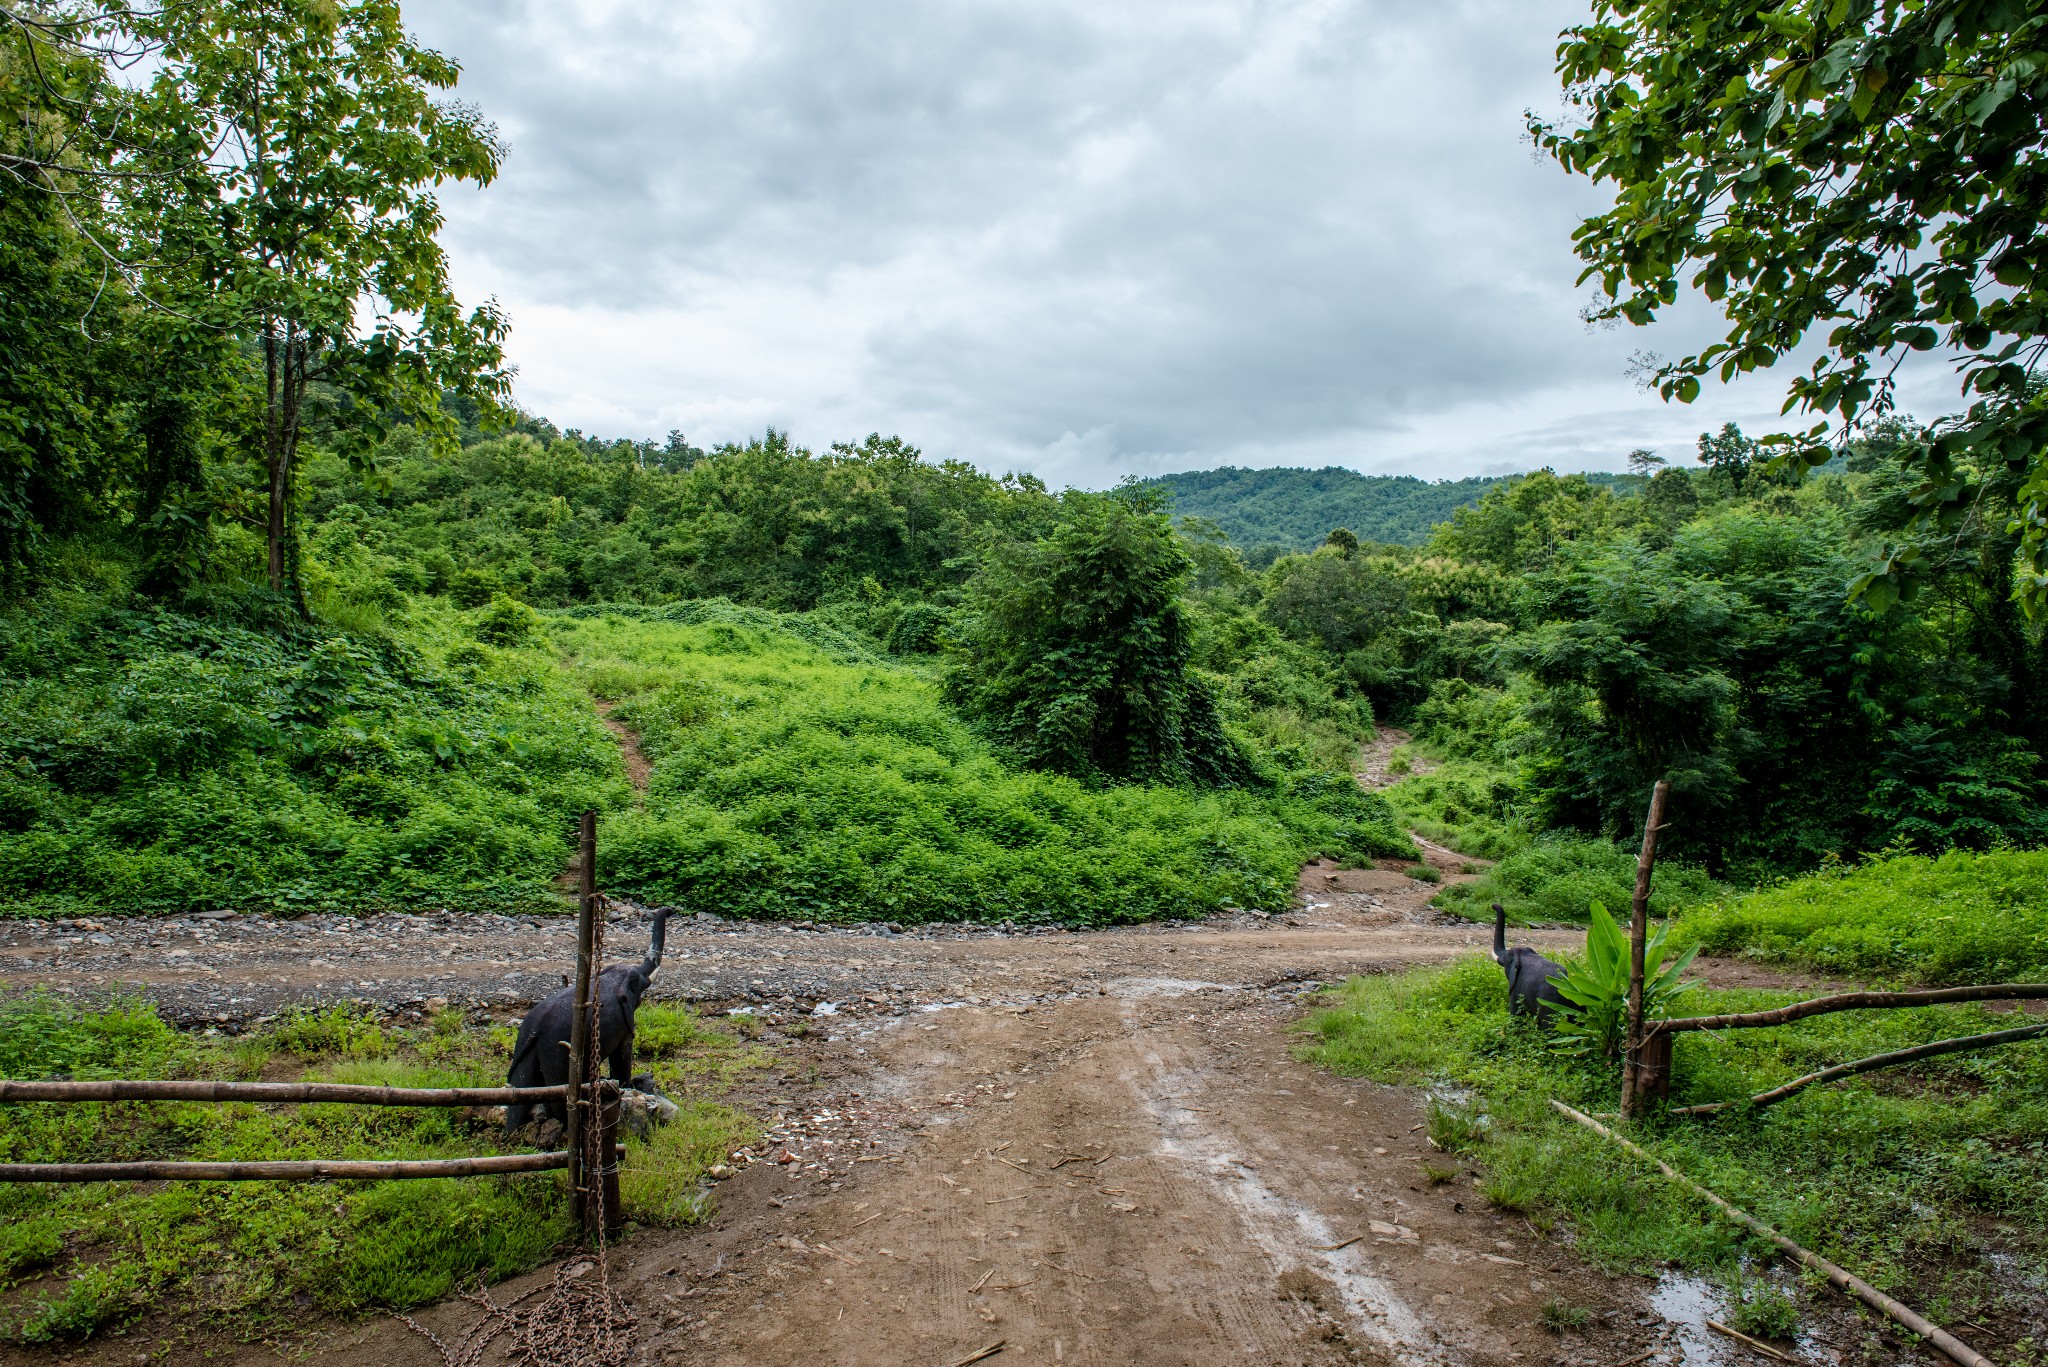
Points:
x=1079, y=238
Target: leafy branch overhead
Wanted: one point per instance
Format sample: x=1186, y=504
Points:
x=1865, y=175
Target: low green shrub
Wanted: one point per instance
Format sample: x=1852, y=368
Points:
x=1953, y=918
x=1559, y=875
x=152, y=760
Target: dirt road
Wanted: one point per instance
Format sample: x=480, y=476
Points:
x=1093, y=1147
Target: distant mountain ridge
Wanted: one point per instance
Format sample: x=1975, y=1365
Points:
x=1296, y=508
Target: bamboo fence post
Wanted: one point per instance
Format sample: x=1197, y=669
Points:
x=579, y=1025
x=1632, y=1079
x=614, y=1211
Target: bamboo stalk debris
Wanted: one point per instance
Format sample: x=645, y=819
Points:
x=1961, y=1045
x=1756, y=1345
x=1948, y=1343
x=342, y=1093
x=362, y=1170
x=1856, y=1001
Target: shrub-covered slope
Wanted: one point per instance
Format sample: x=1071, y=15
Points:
x=805, y=779
x=154, y=761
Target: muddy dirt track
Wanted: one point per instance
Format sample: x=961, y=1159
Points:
x=1093, y=1148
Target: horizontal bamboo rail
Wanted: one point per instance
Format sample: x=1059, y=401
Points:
x=1863, y=1291
x=1856, y=1001
x=340, y=1092
x=1960, y=1045
x=371, y=1170
x=344, y=1093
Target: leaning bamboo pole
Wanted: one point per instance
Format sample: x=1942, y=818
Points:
x=365, y=1170
x=341, y=1093
x=1962, y=1045
x=1863, y=1291
x=1856, y=1001
x=1632, y=1056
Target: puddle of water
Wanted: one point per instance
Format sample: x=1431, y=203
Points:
x=1687, y=1303
x=1167, y=987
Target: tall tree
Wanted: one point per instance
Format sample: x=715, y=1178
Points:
x=1870, y=168
x=290, y=201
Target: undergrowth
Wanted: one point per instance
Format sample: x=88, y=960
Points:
x=1462, y=804
x=1953, y=918
x=1928, y=1180
x=253, y=1255
x=1558, y=875
x=795, y=778
x=156, y=761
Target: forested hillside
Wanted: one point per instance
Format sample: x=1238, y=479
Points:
x=296, y=614
x=1270, y=511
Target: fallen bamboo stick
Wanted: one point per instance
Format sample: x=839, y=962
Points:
x=1863, y=1291
x=1757, y=1345
x=1961, y=1045
x=342, y=1092
x=372, y=1170
x=1857, y=1001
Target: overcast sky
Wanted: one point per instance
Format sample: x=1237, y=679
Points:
x=1079, y=239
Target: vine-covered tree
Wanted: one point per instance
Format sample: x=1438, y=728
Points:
x=1075, y=649
x=1865, y=170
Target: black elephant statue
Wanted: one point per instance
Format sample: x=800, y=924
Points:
x=540, y=1056
x=1530, y=991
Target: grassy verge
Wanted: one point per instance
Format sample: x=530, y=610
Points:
x=1956, y=918
x=254, y=1256
x=800, y=776
x=1928, y=1181
x=1557, y=875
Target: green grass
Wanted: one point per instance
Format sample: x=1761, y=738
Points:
x=1558, y=875
x=1912, y=1178
x=1954, y=918
x=797, y=776
x=250, y=1255
x=157, y=761
x=1462, y=804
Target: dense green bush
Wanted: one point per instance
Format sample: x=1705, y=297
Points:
x=151, y=760
x=789, y=781
x=1074, y=650
x=1956, y=918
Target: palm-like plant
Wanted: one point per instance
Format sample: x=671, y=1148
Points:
x=1595, y=1014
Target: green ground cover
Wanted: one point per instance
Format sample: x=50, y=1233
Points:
x=253, y=1256
x=153, y=760
x=1928, y=1181
x=810, y=778
x=1954, y=918
x=1557, y=875
x=1461, y=804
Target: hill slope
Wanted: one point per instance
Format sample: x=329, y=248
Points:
x=1298, y=508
